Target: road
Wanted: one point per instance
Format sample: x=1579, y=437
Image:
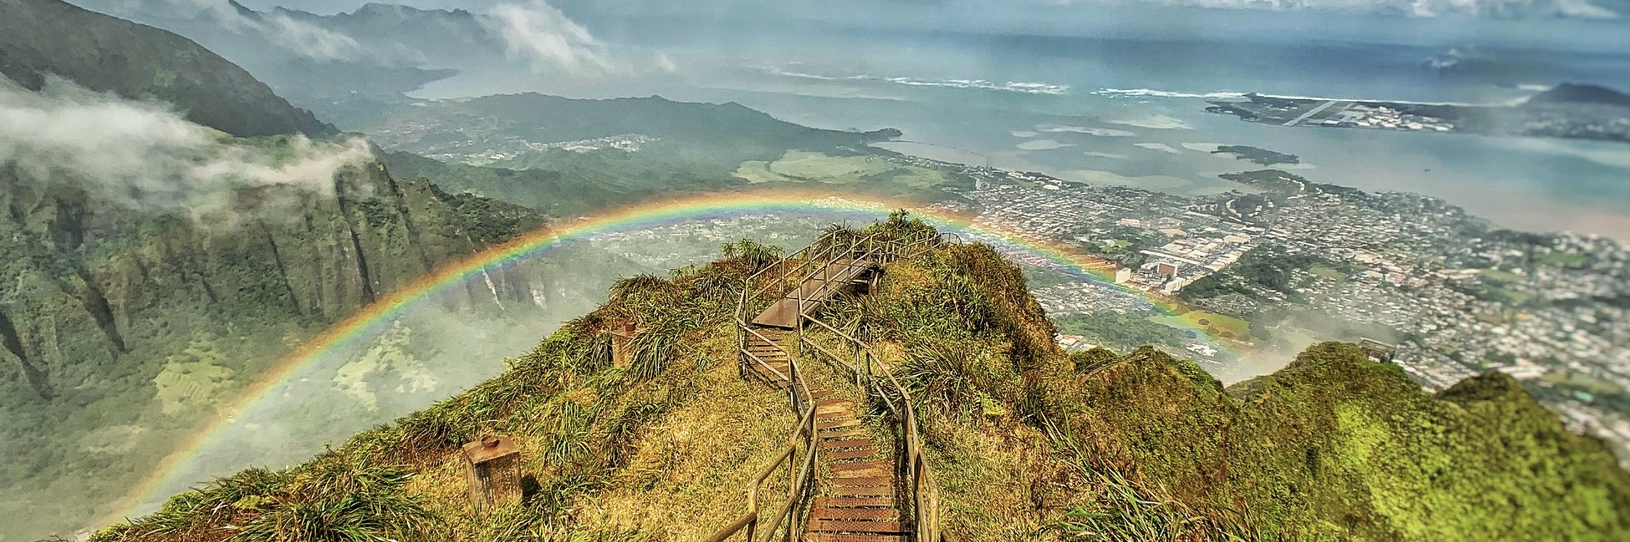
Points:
x=1311, y=112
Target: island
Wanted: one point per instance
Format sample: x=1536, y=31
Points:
x=1568, y=110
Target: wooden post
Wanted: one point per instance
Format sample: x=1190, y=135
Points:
x=620, y=338
x=494, y=472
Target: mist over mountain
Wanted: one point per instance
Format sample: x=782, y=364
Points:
x=39, y=38
x=155, y=262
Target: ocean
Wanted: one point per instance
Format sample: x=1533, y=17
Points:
x=1132, y=112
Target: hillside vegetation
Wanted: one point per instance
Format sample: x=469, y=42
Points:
x=122, y=328
x=563, y=156
x=1027, y=443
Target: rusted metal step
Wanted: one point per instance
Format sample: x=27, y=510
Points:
x=862, y=465
x=856, y=514
x=865, y=491
x=849, y=455
x=847, y=434
x=863, y=481
x=837, y=424
x=833, y=537
x=857, y=527
x=834, y=410
x=851, y=443
x=880, y=467
x=856, y=502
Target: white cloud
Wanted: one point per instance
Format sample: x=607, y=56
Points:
x=146, y=156
x=309, y=40
x=551, y=40
x=1023, y=133
x=299, y=37
x=1413, y=8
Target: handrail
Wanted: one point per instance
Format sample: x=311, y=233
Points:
x=741, y=325
x=749, y=519
x=827, y=250
x=924, y=492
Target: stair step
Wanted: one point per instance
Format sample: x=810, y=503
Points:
x=861, y=465
x=833, y=411
x=854, y=502
x=864, y=481
x=851, y=443
x=855, y=514
x=864, y=491
x=845, y=455
x=838, y=424
x=851, y=433
x=841, y=526
x=840, y=475
x=829, y=537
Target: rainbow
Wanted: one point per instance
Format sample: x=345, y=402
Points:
x=531, y=245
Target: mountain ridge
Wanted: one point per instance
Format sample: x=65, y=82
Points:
x=39, y=38
x=1025, y=442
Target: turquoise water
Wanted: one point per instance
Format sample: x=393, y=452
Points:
x=1132, y=112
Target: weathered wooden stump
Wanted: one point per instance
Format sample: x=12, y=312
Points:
x=494, y=471
x=1377, y=350
x=621, y=337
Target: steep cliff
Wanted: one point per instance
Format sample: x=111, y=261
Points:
x=104, y=309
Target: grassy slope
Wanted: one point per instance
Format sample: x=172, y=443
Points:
x=1333, y=446
x=1027, y=443
x=649, y=452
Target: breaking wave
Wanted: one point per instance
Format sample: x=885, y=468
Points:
x=980, y=84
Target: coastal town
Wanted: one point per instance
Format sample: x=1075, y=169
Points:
x=1452, y=295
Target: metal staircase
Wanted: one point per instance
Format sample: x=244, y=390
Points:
x=866, y=501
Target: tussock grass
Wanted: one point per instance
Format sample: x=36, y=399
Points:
x=1027, y=443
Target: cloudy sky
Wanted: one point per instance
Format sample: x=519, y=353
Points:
x=1589, y=9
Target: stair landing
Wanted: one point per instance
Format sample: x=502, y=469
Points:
x=815, y=289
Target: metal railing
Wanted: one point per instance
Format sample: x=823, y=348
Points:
x=818, y=261
x=749, y=522
x=923, y=493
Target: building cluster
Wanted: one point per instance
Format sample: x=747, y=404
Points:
x=1358, y=115
x=1455, y=296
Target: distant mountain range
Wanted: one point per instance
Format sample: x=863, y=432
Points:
x=1578, y=93
x=345, y=66
x=41, y=38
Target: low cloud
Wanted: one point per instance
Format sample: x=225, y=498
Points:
x=309, y=40
x=147, y=157
x=1505, y=9
x=299, y=37
x=539, y=32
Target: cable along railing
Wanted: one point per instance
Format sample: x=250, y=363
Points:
x=816, y=261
